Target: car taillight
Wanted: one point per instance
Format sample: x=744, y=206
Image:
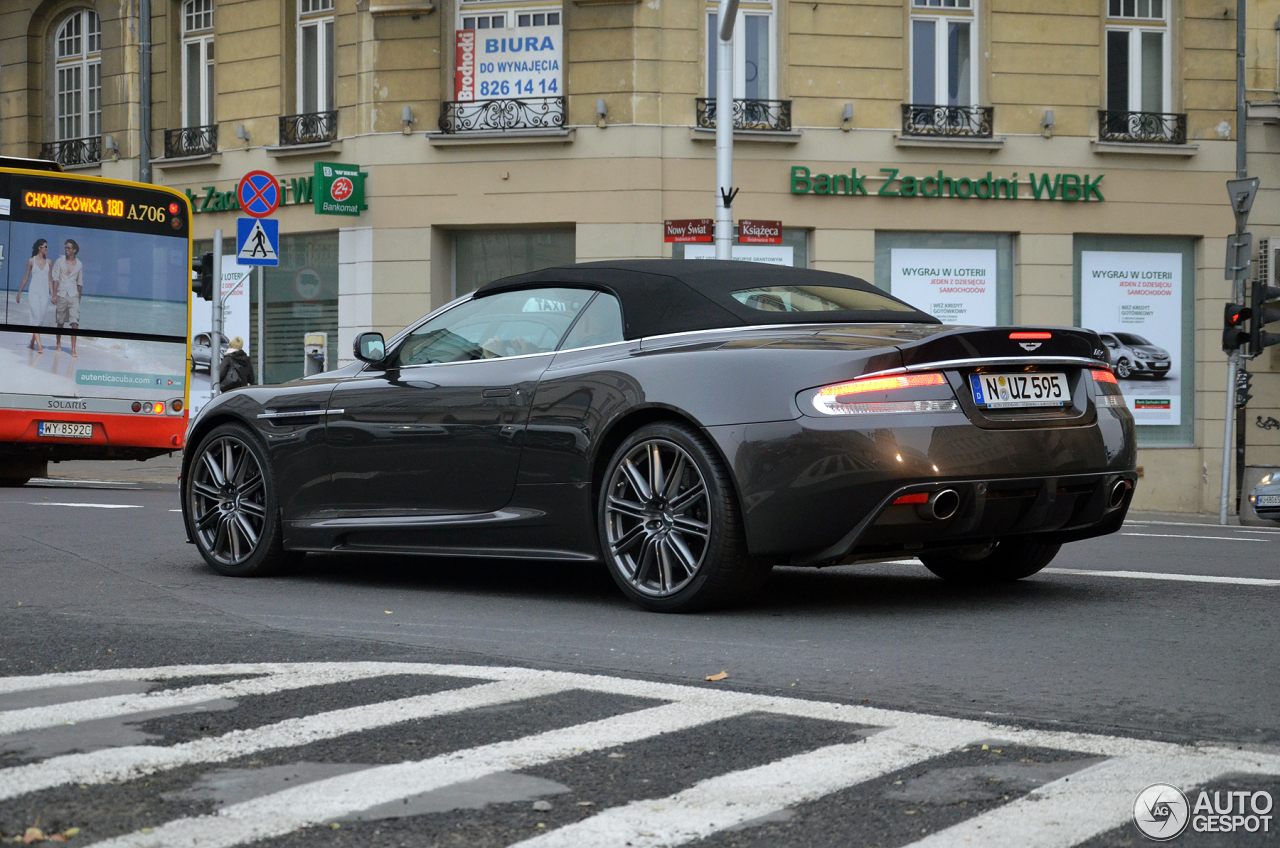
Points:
x=157, y=408
x=1026, y=336
x=1107, y=388
x=838, y=399
x=137, y=406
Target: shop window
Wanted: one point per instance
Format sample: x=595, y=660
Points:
x=481, y=256
x=944, y=49
x=78, y=77
x=754, y=72
x=197, y=63
x=958, y=278
x=1139, y=294
x=315, y=56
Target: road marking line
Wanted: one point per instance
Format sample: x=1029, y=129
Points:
x=1151, y=575
x=731, y=799
x=324, y=800
x=1203, y=525
x=1076, y=808
x=74, y=481
x=86, y=505
x=35, y=718
x=1186, y=536
x=128, y=763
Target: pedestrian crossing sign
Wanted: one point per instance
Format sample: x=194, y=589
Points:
x=257, y=241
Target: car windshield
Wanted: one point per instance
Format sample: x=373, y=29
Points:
x=506, y=324
x=817, y=299
x=1131, y=340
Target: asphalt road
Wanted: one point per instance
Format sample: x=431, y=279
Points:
x=1164, y=635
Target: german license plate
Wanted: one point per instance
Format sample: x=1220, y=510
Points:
x=66, y=429
x=1268, y=500
x=1004, y=391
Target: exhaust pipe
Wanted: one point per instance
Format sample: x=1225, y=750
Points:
x=1119, y=492
x=942, y=505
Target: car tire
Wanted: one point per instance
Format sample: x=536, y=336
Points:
x=1002, y=561
x=674, y=542
x=231, y=507
x=13, y=482
x=1124, y=370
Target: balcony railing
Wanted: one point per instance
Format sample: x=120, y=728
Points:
x=308, y=128
x=1142, y=127
x=767, y=115
x=190, y=141
x=529, y=113
x=921, y=119
x=73, y=151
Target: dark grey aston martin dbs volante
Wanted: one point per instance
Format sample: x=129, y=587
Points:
x=688, y=423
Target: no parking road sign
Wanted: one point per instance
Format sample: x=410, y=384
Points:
x=259, y=194
x=257, y=241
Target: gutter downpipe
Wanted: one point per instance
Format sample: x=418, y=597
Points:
x=726, y=16
x=144, y=92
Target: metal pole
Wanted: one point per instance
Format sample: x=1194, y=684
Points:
x=262, y=349
x=1238, y=284
x=215, y=343
x=726, y=16
x=144, y=92
x=1233, y=365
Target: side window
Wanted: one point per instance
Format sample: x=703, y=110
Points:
x=601, y=323
x=507, y=324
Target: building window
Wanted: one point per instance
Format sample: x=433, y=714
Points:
x=481, y=256
x=315, y=56
x=197, y=63
x=754, y=71
x=1137, y=56
x=944, y=46
x=78, y=77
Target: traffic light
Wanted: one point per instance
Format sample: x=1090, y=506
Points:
x=1244, y=386
x=1234, y=334
x=1264, y=310
x=202, y=277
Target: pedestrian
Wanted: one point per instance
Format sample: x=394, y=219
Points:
x=235, y=370
x=41, y=292
x=68, y=286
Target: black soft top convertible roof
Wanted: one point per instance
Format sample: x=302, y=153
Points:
x=661, y=296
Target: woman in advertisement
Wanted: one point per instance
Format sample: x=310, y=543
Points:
x=68, y=279
x=41, y=291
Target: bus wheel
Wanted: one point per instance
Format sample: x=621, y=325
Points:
x=10, y=482
x=230, y=504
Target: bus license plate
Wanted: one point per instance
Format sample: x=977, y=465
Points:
x=1268, y=500
x=66, y=429
x=1004, y=391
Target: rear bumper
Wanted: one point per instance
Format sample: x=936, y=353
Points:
x=819, y=490
x=114, y=435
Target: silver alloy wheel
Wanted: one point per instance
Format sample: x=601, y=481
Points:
x=658, y=518
x=228, y=500
x=1123, y=370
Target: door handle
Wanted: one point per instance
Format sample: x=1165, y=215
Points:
x=496, y=393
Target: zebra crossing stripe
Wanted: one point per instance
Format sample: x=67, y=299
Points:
x=1078, y=807
x=314, y=803
x=732, y=799
x=73, y=712
x=127, y=763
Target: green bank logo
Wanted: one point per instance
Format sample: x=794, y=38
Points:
x=1070, y=187
x=130, y=380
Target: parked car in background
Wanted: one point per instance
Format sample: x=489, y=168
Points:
x=202, y=351
x=1265, y=497
x=1134, y=356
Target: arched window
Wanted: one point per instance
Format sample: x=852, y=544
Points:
x=78, y=68
x=197, y=63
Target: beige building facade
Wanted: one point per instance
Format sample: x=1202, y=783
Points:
x=1035, y=147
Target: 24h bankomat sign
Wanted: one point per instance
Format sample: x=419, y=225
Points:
x=338, y=189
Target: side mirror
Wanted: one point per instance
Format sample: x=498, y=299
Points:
x=371, y=348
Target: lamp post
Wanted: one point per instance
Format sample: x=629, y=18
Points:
x=726, y=16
